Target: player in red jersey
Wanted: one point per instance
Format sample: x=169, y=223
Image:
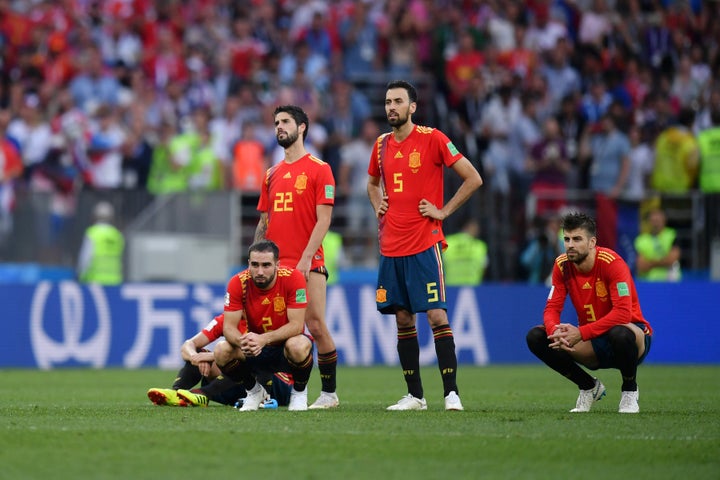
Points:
x=296, y=204
x=611, y=331
x=405, y=187
x=272, y=299
x=200, y=368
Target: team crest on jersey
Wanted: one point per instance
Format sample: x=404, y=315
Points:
x=301, y=183
x=381, y=295
x=414, y=163
x=601, y=290
x=279, y=304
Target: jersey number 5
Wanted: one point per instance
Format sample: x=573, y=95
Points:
x=432, y=292
x=397, y=182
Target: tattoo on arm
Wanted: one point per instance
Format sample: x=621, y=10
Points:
x=261, y=229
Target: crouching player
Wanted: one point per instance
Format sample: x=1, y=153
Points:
x=612, y=332
x=200, y=368
x=272, y=299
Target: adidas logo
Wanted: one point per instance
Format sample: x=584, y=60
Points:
x=287, y=175
x=587, y=286
x=266, y=301
x=398, y=155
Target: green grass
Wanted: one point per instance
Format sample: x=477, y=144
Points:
x=99, y=424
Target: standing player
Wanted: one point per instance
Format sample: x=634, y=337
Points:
x=405, y=189
x=296, y=204
x=612, y=332
x=272, y=299
x=200, y=368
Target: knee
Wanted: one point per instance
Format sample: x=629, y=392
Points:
x=297, y=348
x=621, y=336
x=536, y=337
x=222, y=353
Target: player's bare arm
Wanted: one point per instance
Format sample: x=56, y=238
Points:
x=471, y=182
x=378, y=201
x=261, y=229
x=324, y=217
x=190, y=350
x=230, y=328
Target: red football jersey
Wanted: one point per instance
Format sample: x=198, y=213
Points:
x=266, y=310
x=290, y=195
x=214, y=329
x=410, y=171
x=604, y=297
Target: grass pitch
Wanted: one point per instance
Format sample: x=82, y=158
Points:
x=99, y=424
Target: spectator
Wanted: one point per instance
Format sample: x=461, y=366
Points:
x=676, y=156
x=360, y=42
x=538, y=257
x=572, y=125
x=607, y=149
x=302, y=59
x=94, y=85
x=165, y=64
x=709, y=145
x=658, y=254
x=462, y=67
x=642, y=159
x=169, y=168
x=685, y=86
x=105, y=149
x=352, y=187
x=249, y=161
x=550, y=165
x=524, y=133
x=466, y=257
x=138, y=150
x=11, y=167
x=101, y=253
x=559, y=73
x=31, y=132
x=318, y=37
x=596, y=101
x=499, y=115
x=204, y=167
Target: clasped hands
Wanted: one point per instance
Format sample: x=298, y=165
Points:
x=252, y=344
x=565, y=337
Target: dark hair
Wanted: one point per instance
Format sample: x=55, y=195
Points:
x=686, y=117
x=575, y=220
x=265, y=246
x=412, y=93
x=297, y=113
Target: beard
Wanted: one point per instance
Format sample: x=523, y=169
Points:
x=577, y=258
x=398, y=121
x=263, y=282
x=289, y=139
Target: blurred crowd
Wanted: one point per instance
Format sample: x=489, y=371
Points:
x=172, y=95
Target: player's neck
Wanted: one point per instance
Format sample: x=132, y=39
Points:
x=295, y=152
x=587, y=265
x=400, y=134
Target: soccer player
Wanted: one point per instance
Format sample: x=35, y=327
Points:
x=611, y=331
x=405, y=187
x=272, y=299
x=200, y=368
x=296, y=204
